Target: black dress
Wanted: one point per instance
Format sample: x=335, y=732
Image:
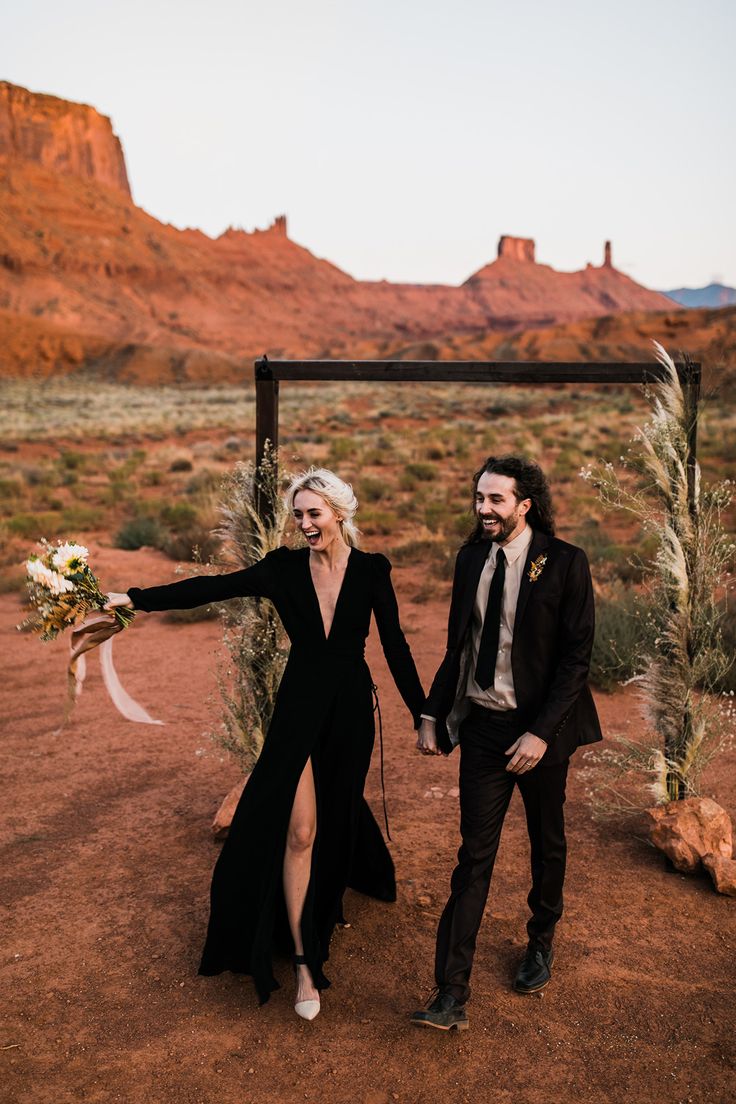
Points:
x=324, y=709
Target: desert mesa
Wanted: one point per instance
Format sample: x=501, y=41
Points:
x=89, y=280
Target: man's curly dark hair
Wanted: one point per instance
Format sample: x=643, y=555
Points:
x=531, y=482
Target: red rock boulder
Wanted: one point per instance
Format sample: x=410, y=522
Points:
x=723, y=873
x=690, y=829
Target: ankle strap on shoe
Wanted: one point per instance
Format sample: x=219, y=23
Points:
x=299, y=960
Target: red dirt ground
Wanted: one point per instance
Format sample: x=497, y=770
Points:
x=107, y=855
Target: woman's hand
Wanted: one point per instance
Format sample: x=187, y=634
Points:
x=427, y=738
x=116, y=600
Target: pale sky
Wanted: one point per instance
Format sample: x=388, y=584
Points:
x=403, y=137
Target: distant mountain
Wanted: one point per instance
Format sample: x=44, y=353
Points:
x=708, y=335
x=714, y=295
x=88, y=279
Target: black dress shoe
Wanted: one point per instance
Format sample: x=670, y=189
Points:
x=535, y=969
x=443, y=1012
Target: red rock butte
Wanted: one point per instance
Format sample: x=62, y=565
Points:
x=87, y=278
x=66, y=138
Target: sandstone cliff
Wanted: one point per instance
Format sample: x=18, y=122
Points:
x=88, y=278
x=64, y=137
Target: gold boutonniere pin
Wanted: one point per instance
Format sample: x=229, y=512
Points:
x=537, y=567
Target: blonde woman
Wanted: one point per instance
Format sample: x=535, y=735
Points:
x=303, y=832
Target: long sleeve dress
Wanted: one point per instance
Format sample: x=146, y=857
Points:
x=323, y=710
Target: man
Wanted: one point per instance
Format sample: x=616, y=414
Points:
x=512, y=691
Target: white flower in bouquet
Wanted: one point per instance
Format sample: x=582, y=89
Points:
x=70, y=558
x=50, y=580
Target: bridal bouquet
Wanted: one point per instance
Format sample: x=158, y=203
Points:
x=65, y=593
x=63, y=589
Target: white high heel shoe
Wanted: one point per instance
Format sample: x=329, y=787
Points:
x=307, y=1009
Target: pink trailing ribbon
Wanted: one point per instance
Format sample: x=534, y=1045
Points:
x=97, y=631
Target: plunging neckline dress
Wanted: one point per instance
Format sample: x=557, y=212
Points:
x=323, y=710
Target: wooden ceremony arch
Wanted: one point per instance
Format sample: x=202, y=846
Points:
x=270, y=373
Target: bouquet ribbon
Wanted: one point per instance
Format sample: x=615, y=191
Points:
x=96, y=631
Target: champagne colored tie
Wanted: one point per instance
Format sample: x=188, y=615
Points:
x=485, y=668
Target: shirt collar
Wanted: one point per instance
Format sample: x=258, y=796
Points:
x=515, y=548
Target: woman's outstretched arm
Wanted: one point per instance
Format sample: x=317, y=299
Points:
x=394, y=644
x=200, y=590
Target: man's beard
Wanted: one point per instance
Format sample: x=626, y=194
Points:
x=505, y=528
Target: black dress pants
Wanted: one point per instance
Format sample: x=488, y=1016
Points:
x=486, y=787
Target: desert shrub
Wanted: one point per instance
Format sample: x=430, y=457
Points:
x=727, y=681
x=372, y=489
x=72, y=460
x=10, y=488
x=36, y=526
x=189, y=529
x=383, y=522
x=443, y=562
x=181, y=464
x=152, y=478
x=628, y=562
x=79, y=518
x=204, y=480
x=435, y=515
x=39, y=477
x=341, y=448
x=438, y=555
x=178, y=516
x=195, y=542
x=621, y=630
x=377, y=457
x=139, y=532
x=435, y=452
x=420, y=550
x=463, y=525
x=421, y=472
x=566, y=465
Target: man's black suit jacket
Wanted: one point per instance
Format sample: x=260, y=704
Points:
x=551, y=649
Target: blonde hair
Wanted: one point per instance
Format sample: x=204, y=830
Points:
x=337, y=494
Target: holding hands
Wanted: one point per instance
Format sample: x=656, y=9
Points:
x=427, y=738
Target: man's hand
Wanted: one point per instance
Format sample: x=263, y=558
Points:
x=427, y=738
x=526, y=752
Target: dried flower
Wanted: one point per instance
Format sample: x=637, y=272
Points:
x=537, y=567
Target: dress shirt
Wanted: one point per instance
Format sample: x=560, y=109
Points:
x=500, y=695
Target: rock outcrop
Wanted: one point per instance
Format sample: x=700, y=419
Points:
x=688, y=830
x=516, y=249
x=64, y=137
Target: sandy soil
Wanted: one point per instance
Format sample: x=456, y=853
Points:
x=107, y=855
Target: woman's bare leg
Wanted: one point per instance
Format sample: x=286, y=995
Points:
x=297, y=870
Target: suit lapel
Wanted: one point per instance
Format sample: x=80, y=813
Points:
x=539, y=544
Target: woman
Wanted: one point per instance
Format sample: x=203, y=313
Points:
x=302, y=832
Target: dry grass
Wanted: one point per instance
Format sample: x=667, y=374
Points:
x=76, y=458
